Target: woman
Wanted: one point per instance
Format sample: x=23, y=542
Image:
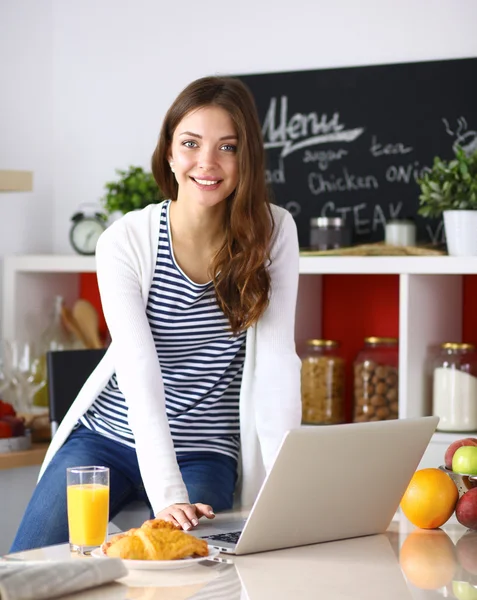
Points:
x=201, y=379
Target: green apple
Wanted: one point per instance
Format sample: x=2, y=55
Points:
x=465, y=460
x=464, y=591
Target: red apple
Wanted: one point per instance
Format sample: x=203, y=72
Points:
x=5, y=430
x=453, y=447
x=17, y=425
x=6, y=409
x=466, y=509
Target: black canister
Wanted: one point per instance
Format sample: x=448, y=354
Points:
x=327, y=233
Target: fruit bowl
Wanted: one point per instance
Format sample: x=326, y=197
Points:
x=15, y=444
x=463, y=482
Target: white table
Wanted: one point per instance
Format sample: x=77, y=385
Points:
x=366, y=568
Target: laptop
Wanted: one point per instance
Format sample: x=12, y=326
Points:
x=328, y=483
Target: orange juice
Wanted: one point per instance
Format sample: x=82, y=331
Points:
x=88, y=513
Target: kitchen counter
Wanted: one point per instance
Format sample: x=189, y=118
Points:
x=404, y=563
x=18, y=476
x=26, y=458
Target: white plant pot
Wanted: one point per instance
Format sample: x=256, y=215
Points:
x=461, y=232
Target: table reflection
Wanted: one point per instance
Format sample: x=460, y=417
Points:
x=404, y=563
x=440, y=564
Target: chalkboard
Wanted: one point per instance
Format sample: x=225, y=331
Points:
x=351, y=142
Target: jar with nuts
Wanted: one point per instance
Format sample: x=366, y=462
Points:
x=376, y=380
x=322, y=383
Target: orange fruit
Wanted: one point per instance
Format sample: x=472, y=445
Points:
x=428, y=558
x=430, y=498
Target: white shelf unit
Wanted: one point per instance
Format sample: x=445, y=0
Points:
x=430, y=312
x=30, y=283
x=430, y=309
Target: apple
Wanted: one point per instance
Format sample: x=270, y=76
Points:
x=466, y=549
x=465, y=460
x=17, y=425
x=5, y=430
x=6, y=409
x=464, y=591
x=454, y=446
x=466, y=509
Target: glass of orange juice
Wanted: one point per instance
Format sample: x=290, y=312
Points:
x=87, y=494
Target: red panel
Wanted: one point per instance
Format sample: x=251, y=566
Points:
x=469, y=310
x=355, y=307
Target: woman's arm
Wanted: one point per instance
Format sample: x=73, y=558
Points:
x=137, y=366
x=277, y=387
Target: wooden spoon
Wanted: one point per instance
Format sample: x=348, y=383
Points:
x=87, y=319
x=72, y=326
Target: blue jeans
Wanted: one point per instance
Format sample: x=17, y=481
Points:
x=209, y=477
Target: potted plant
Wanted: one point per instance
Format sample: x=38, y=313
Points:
x=134, y=190
x=449, y=188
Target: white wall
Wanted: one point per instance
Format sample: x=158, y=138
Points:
x=26, y=121
x=100, y=75
x=118, y=65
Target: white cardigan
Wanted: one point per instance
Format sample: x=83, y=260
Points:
x=270, y=392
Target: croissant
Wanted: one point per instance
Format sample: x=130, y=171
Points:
x=155, y=540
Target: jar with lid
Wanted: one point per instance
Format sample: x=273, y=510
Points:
x=454, y=389
x=327, y=233
x=322, y=383
x=376, y=375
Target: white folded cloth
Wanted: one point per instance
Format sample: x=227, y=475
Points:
x=38, y=580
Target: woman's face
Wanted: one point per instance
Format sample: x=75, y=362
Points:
x=204, y=156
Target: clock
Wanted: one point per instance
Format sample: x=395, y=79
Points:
x=85, y=231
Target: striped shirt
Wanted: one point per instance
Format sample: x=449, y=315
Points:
x=201, y=363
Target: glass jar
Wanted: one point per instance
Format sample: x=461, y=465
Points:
x=454, y=389
x=328, y=233
x=376, y=375
x=400, y=232
x=322, y=383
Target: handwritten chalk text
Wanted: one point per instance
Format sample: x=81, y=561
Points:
x=346, y=182
x=378, y=149
x=302, y=130
x=323, y=158
x=360, y=224
x=405, y=173
x=276, y=175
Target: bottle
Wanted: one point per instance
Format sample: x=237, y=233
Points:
x=454, y=390
x=376, y=372
x=53, y=337
x=322, y=383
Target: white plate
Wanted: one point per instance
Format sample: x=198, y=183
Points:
x=158, y=565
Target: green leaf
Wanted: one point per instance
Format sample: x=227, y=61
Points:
x=449, y=185
x=134, y=188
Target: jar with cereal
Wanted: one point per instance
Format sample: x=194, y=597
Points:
x=376, y=380
x=322, y=383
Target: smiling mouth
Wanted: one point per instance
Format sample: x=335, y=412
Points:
x=206, y=181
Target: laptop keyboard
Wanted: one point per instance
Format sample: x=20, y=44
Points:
x=231, y=537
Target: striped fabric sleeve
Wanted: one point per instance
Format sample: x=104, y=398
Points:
x=137, y=367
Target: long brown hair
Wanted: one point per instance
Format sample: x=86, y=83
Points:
x=239, y=269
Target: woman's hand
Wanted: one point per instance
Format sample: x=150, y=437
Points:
x=186, y=516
